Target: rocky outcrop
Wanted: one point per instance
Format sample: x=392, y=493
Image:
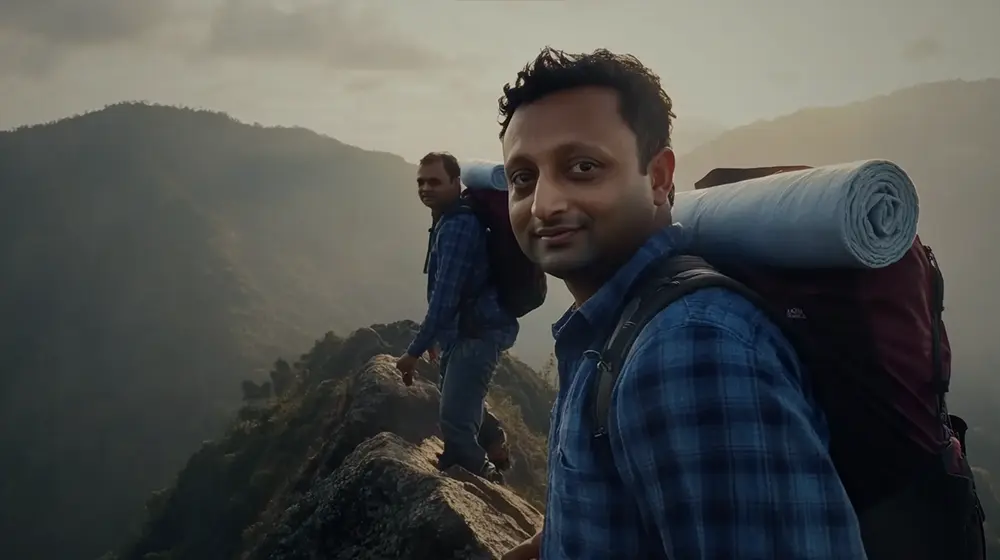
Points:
x=343, y=466
x=384, y=497
x=387, y=500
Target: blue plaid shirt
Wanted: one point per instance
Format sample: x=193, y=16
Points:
x=715, y=448
x=458, y=266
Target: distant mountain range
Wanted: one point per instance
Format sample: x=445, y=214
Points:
x=690, y=133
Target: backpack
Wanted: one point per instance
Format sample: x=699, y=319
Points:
x=520, y=284
x=864, y=337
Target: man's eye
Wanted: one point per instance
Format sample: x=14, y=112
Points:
x=520, y=179
x=583, y=167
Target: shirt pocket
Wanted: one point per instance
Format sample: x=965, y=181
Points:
x=576, y=450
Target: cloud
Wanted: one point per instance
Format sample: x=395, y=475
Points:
x=82, y=22
x=922, y=50
x=23, y=55
x=35, y=35
x=364, y=84
x=784, y=78
x=332, y=33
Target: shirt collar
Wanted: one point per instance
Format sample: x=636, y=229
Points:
x=602, y=308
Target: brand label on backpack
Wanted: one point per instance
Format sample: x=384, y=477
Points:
x=795, y=313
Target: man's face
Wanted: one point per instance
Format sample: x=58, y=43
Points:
x=579, y=205
x=434, y=187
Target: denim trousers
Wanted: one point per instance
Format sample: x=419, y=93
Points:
x=466, y=371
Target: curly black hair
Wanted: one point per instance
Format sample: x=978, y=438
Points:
x=643, y=104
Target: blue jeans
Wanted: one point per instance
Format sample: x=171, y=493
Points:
x=466, y=371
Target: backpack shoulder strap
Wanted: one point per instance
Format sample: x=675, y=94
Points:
x=666, y=282
x=939, y=382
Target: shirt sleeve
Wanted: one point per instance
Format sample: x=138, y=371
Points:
x=457, y=241
x=713, y=434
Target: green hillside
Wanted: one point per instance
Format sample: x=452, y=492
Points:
x=150, y=258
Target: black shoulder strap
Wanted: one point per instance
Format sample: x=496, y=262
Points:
x=430, y=245
x=666, y=282
x=939, y=383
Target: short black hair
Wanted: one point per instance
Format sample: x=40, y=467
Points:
x=643, y=104
x=450, y=163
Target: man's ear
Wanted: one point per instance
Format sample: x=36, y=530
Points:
x=661, y=177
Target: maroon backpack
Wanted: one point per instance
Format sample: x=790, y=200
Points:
x=877, y=353
x=520, y=284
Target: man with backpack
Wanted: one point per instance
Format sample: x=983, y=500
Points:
x=690, y=421
x=468, y=314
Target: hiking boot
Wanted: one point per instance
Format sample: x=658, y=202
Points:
x=490, y=473
x=488, y=470
x=445, y=462
x=499, y=454
x=496, y=447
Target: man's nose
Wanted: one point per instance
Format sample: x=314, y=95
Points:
x=549, y=199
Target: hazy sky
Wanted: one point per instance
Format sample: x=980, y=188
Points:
x=408, y=76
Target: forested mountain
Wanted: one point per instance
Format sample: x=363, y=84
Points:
x=150, y=258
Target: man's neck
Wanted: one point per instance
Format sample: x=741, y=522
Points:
x=584, y=286
x=581, y=291
x=443, y=208
x=440, y=211
x=588, y=282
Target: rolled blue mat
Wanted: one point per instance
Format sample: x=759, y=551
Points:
x=854, y=215
x=479, y=174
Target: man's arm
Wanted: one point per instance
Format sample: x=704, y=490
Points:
x=714, y=437
x=458, y=240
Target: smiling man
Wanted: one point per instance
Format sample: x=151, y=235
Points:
x=714, y=447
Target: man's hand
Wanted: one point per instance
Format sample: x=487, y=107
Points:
x=432, y=354
x=405, y=365
x=528, y=550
